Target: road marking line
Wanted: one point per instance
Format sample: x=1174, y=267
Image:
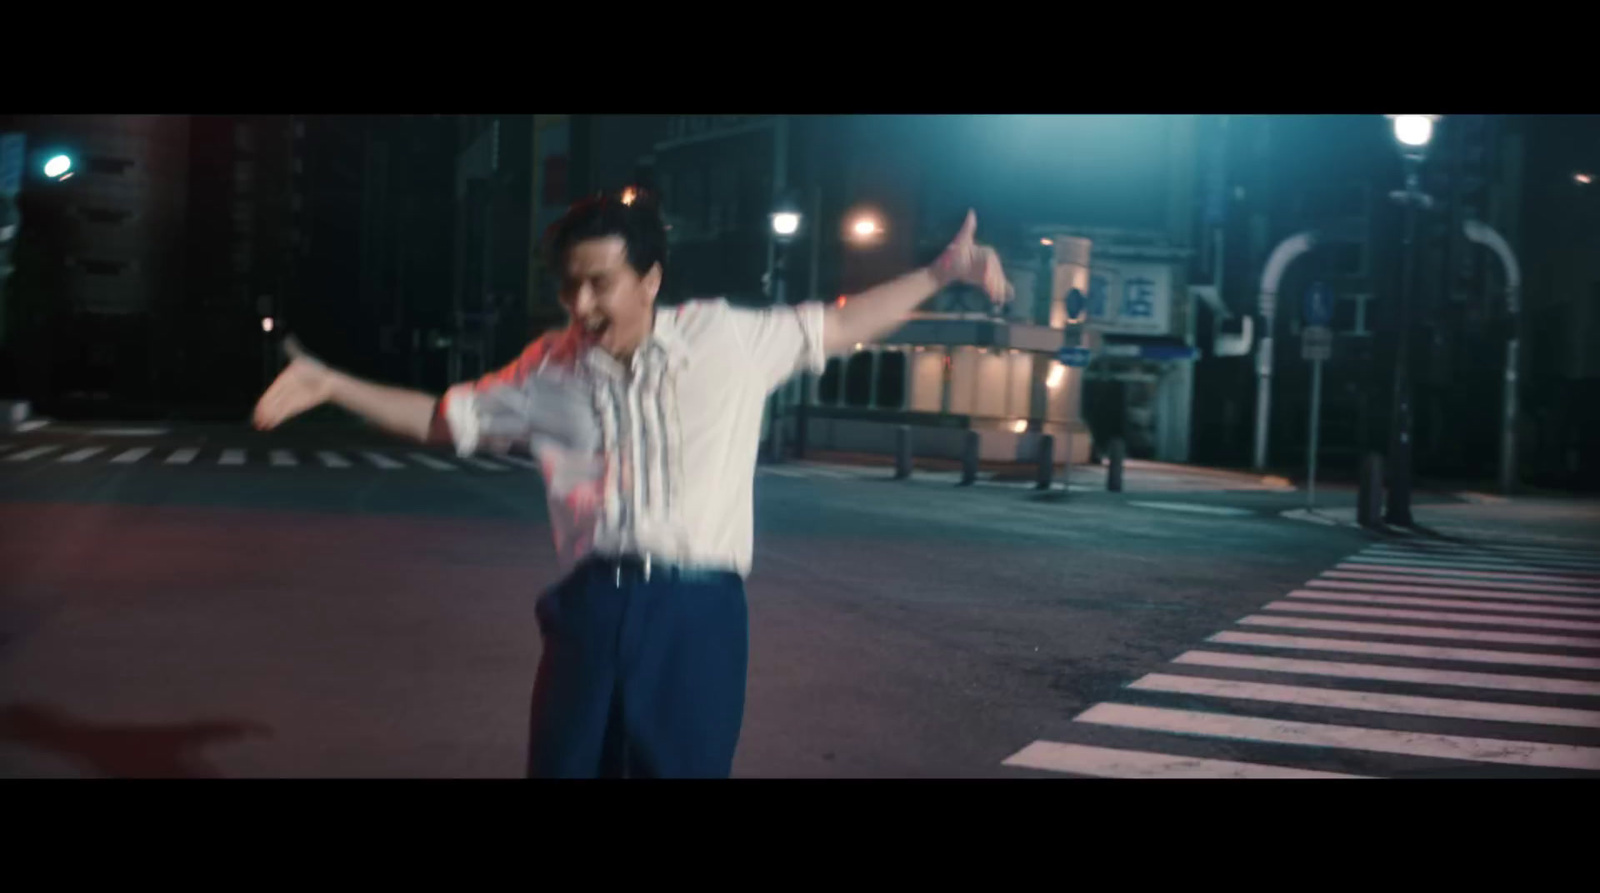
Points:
x=1420, y=632
x=1489, y=559
x=183, y=456
x=1340, y=596
x=32, y=425
x=1443, y=590
x=129, y=456
x=1452, y=617
x=1316, y=734
x=231, y=457
x=283, y=458
x=80, y=455
x=517, y=460
x=1105, y=762
x=131, y=432
x=1377, y=702
x=1480, y=584
x=1545, y=565
x=1397, y=649
x=784, y=472
x=33, y=453
x=1189, y=507
x=1472, y=567
x=1391, y=674
x=430, y=462
x=1451, y=572
x=332, y=460
x=1504, y=553
x=482, y=463
x=382, y=461
x=1495, y=548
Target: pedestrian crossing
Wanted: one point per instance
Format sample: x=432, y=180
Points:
x=15, y=455
x=1408, y=658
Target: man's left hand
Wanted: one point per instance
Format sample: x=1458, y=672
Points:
x=967, y=261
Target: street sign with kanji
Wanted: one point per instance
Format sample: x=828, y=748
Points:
x=1318, y=311
x=1316, y=343
x=1074, y=356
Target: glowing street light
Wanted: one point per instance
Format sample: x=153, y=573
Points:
x=630, y=195
x=1585, y=179
x=266, y=323
x=1413, y=130
x=58, y=167
x=786, y=223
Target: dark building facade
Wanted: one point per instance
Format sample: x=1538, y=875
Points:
x=100, y=262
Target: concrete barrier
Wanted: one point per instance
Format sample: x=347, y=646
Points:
x=902, y=452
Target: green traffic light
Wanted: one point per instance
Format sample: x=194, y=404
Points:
x=57, y=166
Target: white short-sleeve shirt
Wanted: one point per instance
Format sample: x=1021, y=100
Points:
x=668, y=470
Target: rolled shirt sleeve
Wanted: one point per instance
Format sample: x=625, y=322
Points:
x=781, y=340
x=515, y=404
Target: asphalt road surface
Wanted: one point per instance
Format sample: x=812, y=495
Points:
x=209, y=601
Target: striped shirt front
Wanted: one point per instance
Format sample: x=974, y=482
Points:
x=656, y=457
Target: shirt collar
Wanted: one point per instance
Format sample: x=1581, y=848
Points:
x=664, y=338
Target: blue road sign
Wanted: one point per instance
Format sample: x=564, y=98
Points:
x=1074, y=356
x=1076, y=305
x=11, y=146
x=1319, y=305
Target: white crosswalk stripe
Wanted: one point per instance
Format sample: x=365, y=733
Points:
x=31, y=453
x=1454, y=574
x=95, y=454
x=241, y=457
x=182, y=456
x=1405, y=637
x=80, y=455
x=331, y=459
x=428, y=461
x=382, y=461
x=484, y=464
x=128, y=457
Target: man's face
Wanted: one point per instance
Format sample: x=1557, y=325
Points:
x=608, y=301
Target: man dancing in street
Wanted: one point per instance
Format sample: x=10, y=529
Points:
x=646, y=422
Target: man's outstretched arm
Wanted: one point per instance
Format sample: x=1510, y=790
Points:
x=307, y=383
x=878, y=311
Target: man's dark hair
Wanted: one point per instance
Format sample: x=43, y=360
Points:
x=639, y=224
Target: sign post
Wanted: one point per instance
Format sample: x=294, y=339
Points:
x=1316, y=345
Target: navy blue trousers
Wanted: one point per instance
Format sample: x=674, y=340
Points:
x=640, y=677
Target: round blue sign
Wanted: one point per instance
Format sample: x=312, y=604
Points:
x=1076, y=304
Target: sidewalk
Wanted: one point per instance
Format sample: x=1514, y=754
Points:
x=1570, y=522
x=1138, y=475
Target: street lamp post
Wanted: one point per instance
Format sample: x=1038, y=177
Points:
x=786, y=218
x=1485, y=235
x=1413, y=133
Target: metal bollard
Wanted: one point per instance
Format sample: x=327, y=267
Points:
x=1369, y=505
x=1047, y=461
x=1117, y=452
x=969, y=458
x=902, y=452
